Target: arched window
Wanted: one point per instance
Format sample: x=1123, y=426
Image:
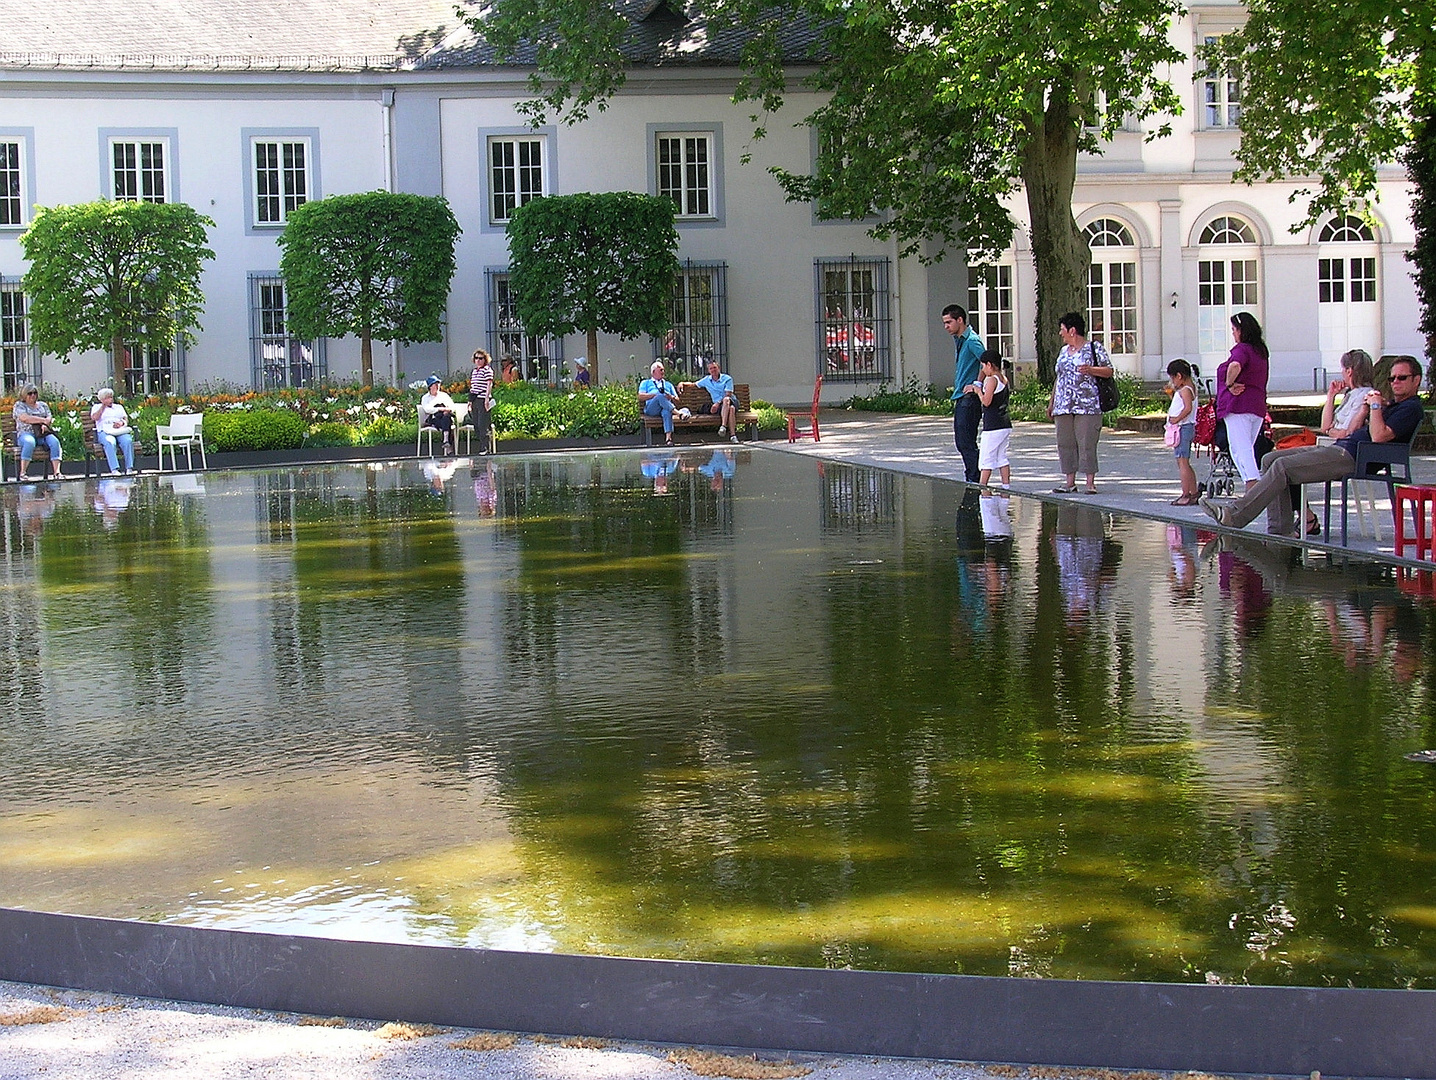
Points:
x=1112, y=288
x=1226, y=282
x=1346, y=230
x=1347, y=316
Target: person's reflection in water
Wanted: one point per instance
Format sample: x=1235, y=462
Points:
x=34, y=505
x=1086, y=561
x=438, y=474
x=1182, y=548
x=658, y=467
x=486, y=489
x=969, y=618
x=112, y=497
x=721, y=466
x=1239, y=581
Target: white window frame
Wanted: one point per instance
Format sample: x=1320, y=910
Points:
x=138, y=140
x=14, y=180
x=696, y=187
x=1219, y=93
x=1109, y=301
x=523, y=181
x=990, y=308
x=1228, y=281
x=1347, y=267
x=287, y=197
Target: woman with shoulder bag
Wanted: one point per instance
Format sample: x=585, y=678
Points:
x=1075, y=407
x=32, y=426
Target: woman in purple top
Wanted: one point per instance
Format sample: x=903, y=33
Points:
x=1241, y=393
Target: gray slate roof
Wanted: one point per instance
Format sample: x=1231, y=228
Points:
x=309, y=35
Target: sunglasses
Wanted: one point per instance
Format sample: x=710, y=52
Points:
x=1401, y=378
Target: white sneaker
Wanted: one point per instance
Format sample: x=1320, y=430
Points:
x=733, y=438
x=722, y=430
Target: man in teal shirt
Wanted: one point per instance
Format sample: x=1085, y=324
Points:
x=966, y=406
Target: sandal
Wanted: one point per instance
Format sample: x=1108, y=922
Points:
x=1064, y=490
x=1313, y=526
x=1089, y=491
x=1185, y=500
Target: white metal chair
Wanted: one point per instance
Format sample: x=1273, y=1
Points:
x=463, y=427
x=424, y=440
x=184, y=430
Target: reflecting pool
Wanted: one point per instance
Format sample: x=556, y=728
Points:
x=729, y=705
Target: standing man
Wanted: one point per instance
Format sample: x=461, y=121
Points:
x=720, y=390
x=966, y=408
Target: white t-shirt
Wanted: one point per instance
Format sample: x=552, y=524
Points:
x=111, y=419
x=431, y=403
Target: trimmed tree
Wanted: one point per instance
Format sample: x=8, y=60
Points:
x=1334, y=92
x=114, y=275
x=933, y=115
x=376, y=264
x=591, y=262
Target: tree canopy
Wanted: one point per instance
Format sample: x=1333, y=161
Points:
x=376, y=264
x=589, y=262
x=1335, y=92
x=934, y=114
x=114, y=275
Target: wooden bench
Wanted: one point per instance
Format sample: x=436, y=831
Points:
x=693, y=398
x=12, y=447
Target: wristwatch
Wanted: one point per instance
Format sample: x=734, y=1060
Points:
x=1377, y=405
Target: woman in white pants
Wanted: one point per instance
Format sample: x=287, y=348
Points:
x=1241, y=393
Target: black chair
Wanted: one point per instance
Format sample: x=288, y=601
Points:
x=1389, y=462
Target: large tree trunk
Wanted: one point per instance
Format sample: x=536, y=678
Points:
x=593, y=355
x=366, y=358
x=122, y=364
x=1420, y=158
x=1049, y=170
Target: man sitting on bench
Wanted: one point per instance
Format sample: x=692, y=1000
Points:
x=658, y=398
x=725, y=405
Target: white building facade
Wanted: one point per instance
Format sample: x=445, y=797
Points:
x=776, y=295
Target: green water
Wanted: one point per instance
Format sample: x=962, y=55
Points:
x=798, y=714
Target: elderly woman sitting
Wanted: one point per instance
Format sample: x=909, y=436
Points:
x=32, y=426
x=112, y=428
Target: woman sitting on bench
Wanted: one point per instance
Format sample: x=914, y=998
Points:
x=112, y=428
x=32, y=426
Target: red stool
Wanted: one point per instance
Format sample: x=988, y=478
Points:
x=1423, y=502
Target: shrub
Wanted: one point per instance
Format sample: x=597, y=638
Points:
x=331, y=433
x=770, y=417
x=384, y=430
x=254, y=429
x=912, y=397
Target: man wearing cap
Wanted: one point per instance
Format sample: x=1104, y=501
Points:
x=720, y=389
x=581, y=377
x=436, y=410
x=658, y=397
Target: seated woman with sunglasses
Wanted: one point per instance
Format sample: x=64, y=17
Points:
x=32, y=426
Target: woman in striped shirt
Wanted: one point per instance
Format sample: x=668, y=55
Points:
x=481, y=398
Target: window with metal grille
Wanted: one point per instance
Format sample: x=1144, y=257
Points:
x=684, y=171
x=516, y=175
x=139, y=170
x=153, y=371
x=19, y=361
x=856, y=499
x=281, y=178
x=853, y=322
x=536, y=357
x=989, y=307
x=12, y=202
x=1221, y=96
x=278, y=358
x=699, y=312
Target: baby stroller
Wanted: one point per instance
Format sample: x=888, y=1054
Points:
x=1211, y=435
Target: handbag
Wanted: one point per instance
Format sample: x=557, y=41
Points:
x=1171, y=435
x=1107, y=396
x=1304, y=437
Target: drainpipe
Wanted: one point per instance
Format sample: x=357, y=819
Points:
x=386, y=101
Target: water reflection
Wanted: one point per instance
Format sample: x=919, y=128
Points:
x=775, y=711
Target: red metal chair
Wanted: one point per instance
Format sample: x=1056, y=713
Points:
x=794, y=434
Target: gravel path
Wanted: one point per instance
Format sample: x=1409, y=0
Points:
x=76, y=1035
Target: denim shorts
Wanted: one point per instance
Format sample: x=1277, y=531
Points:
x=1183, y=449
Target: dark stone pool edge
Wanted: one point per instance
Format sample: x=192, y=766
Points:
x=1229, y=1029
